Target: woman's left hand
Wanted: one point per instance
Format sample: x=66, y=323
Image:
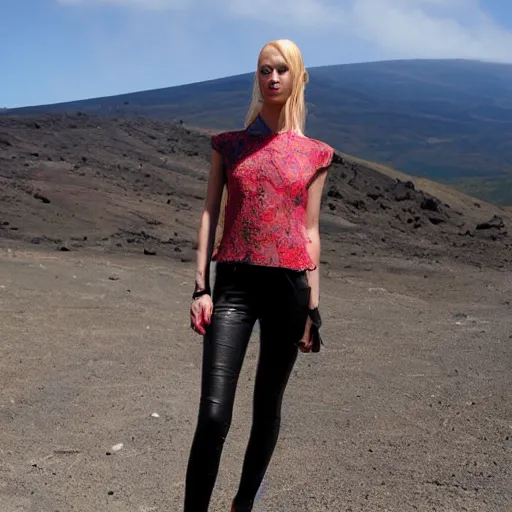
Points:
x=306, y=342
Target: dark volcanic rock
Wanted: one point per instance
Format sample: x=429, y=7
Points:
x=495, y=223
x=132, y=182
x=403, y=215
x=42, y=198
x=335, y=193
x=436, y=220
x=431, y=204
x=403, y=190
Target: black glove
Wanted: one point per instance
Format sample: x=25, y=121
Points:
x=316, y=338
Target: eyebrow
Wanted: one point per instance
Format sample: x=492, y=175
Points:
x=278, y=65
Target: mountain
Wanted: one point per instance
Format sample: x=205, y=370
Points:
x=81, y=181
x=447, y=120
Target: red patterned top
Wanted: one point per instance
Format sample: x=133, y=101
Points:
x=268, y=175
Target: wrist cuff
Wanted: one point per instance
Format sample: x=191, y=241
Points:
x=314, y=314
x=200, y=293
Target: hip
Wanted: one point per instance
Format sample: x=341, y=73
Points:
x=263, y=291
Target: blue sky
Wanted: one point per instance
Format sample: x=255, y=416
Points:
x=60, y=50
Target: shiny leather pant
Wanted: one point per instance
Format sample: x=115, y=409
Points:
x=243, y=294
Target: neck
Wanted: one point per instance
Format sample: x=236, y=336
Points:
x=270, y=115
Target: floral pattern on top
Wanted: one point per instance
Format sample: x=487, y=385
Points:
x=268, y=175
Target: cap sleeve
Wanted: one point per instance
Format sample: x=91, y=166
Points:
x=217, y=142
x=321, y=160
x=325, y=156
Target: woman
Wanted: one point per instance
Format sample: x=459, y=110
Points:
x=267, y=269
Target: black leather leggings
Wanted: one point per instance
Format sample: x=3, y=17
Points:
x=242, y=294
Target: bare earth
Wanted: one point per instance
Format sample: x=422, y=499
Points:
x=406, y=409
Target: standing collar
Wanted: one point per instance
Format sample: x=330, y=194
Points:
x=259, y=127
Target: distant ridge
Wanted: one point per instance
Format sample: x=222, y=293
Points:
x=448, y=120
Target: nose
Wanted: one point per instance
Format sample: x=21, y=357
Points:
x=274, y=77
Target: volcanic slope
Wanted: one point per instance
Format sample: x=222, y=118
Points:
x=80, y=181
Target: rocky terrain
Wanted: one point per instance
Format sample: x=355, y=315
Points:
x=406, y=408
x=138, y=184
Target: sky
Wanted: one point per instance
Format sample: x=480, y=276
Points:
x=63, y=50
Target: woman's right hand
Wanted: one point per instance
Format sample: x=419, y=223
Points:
x=201, y=313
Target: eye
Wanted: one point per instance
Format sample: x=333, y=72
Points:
x=265, y=70
x=282, y=70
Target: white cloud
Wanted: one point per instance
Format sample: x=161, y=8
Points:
x=395, y=28
x=430, y=28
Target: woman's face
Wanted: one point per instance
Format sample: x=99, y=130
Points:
x=274, y=77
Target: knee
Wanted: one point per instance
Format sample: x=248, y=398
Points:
x=214, y=421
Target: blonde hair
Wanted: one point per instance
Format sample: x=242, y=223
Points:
x=293, y=115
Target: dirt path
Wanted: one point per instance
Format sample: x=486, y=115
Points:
x=407, y=409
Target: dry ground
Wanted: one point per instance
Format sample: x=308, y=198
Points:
x=407, y=409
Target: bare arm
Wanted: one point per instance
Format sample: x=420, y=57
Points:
x=312, y=226
x=209, y=220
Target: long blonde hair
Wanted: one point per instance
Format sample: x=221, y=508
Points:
x=293, y=115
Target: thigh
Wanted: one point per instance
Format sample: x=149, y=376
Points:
x=281, y=328
x=285, y=307
x=225, y=343
x=276, y=360
x=224, y=349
